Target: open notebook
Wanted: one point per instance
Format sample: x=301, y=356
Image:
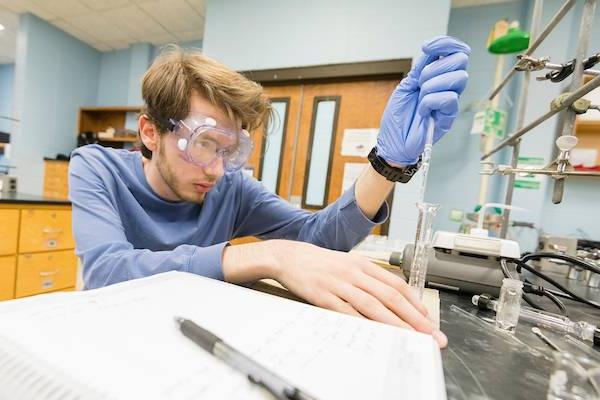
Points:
x=121, y=342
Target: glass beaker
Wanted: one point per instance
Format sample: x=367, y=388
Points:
x=418, y=268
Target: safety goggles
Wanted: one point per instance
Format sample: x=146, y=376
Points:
x=202, y=141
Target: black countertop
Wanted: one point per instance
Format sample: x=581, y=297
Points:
x=24, y=198
x=480, y=363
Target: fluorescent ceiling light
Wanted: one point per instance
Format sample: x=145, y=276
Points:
x=1, y=27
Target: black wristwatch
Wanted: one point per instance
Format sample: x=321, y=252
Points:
x=394, y=174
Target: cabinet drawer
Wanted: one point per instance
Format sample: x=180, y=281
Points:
x=8, y=270
x=9, y=231
x=43, y=230
x=45, y=272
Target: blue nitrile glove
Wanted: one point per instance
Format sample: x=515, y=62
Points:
x=431, y=88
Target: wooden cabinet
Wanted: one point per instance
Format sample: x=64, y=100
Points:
x=9, y=231
x=43, y=230
x=37, y=248
x=45, y=272
x=56, y=179
x=8, y=272
x=98, y=119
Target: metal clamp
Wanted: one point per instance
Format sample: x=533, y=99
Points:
x=580, y=106
x=591, y=61
x=527, y=63
x=487, y=168
x=561, y=74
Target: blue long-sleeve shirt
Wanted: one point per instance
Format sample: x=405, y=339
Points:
x=124, y=230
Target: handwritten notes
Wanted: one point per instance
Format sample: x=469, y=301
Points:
x=123, y=339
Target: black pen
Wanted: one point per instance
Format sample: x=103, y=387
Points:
x=255, y=372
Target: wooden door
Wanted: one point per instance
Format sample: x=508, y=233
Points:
x=360, y=104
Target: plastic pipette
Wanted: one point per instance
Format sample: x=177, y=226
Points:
x=426, y=159
x=418, y=270
x=582, y=330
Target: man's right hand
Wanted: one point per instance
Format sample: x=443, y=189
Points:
x=331, y=279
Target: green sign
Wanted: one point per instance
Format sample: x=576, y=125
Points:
x=490, y=122
x=524, y=180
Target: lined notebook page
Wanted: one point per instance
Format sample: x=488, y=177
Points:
x=121, y=342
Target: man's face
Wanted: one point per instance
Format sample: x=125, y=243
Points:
x=187, y=181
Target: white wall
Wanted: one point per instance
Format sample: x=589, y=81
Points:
x=265, y=34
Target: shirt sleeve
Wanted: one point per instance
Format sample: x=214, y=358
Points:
x=339, y=226
x=102, y=245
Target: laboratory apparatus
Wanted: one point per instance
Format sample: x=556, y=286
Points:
x=427, y=211
x=581, y=329
x=537, y=332
x=509, y=304
x=465, y=262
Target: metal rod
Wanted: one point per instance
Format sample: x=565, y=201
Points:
x=536, y=20
x=557, y=67
x=510, y=190
x=511, y=171
x=487, y=141
x=547, y=30
x=585, y=31
x=9, y=118
x=579, y=93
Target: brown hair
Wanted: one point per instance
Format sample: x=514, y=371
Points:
x=168, y=84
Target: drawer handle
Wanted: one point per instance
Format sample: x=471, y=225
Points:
x=49, y=231
x=49, y=273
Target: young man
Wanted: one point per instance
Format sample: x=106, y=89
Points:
x=175, y=205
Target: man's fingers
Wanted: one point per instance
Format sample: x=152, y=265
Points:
x=397, y=283
x=368, y=305
x=442, y=46
x=454, y=62
x=455, y=81
x=444, y=102
x=396, y=302
x=332, y=302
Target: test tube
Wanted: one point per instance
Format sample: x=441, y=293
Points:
x=509, y=305
x=427, y=211
x=418, y=269
x=559, y=323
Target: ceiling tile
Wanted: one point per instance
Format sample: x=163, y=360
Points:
x=16, y=6
x=189, y=35
x=135, y=22
x=105, y=4
x=198, y=5
x=98, y=27
x=101, y=46
x=118, y=44
x=10, y=20
x=61, y=8
x=174, y=15
x=162, y=39
x=37, y=9
x=80, y=34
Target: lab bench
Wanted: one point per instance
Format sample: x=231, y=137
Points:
x=480, y=363
x=36, y=245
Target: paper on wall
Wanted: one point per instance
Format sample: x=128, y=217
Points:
x=359, y=142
